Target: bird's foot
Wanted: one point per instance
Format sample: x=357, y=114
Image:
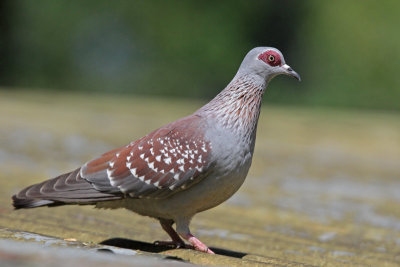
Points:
x=198, y=245
x=177, y=242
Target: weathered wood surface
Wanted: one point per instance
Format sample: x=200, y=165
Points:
x=324, y=188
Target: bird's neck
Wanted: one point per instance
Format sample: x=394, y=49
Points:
x=237, y=107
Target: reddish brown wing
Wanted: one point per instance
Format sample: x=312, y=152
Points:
x=167, y=160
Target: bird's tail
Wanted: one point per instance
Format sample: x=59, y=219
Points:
x=68, y=188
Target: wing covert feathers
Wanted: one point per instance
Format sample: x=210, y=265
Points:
x=166, y=161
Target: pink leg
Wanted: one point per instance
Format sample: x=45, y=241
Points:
x=176, y=240
x=182, y=227
x=197, y=244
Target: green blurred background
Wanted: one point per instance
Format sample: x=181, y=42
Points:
x=347, y=52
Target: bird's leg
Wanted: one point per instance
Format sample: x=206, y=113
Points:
x=176, y=240
x=182, y=227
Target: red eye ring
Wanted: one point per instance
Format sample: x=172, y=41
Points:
x=271, y=57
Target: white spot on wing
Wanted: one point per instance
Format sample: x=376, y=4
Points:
x=151, y=166
x=182, y=168
x=167, y=160
x=142, y=156
x=176, y=176
x=111, y=164
x=109, y=173
x=141, y=178
x=133, y=171
x=158, y=158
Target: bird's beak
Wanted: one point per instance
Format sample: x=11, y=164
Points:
x=289, y=71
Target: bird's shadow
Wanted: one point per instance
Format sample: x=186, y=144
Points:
x=150, y=247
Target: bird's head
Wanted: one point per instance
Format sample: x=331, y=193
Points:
x=266, y=62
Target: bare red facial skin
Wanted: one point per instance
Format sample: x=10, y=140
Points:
x=270, y=57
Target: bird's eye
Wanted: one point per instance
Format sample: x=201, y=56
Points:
x=271, y=58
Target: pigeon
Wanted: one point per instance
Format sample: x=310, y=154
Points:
x=183, y=168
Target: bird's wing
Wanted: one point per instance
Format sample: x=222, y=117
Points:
x=66, y=188
x=166, y=161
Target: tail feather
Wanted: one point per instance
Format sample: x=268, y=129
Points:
x=21, y=203
x=65, y=189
